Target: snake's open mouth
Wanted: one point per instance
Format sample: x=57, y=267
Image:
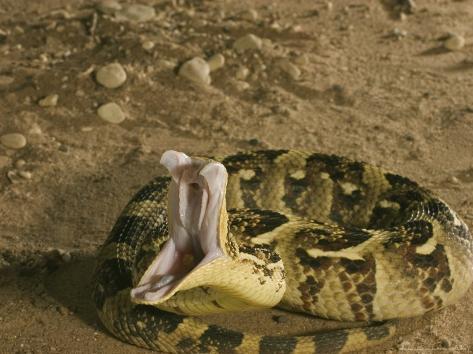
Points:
x=196, y=198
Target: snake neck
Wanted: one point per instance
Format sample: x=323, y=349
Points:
x=201, y=253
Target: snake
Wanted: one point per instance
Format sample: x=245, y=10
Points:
x=306, y=232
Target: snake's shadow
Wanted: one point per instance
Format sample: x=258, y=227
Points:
x=71, y=286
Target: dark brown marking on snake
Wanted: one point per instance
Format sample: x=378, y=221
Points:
x=231, y=246
x=236, y=162
x=365, y=286
x=376, y=332
x=325, y=345
x=327, y=241
x=185, y=344
x=293, y=190
x=221, y=339
x=256, y=221
x=277, y=344
x=264, y=252
x=112, y=276
x=129, y=225
x=215, y=302
x=400, y=181
x=317, y=263
x=251, y=160
x=154, y=320
x=446, y=285
x=250, y=187
x=432, y=269
x=421, y=231
x=341, y=171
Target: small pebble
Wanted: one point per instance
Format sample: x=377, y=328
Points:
x=148, y=45
x=240, y=85
x=137, y=12
x=454, y=42
x=49, y=101
x=111, y=75
x=397, y=32
x=293, y=71
x=62, y=310
x=111, y=113
x=250, y=15
x=109, y=6
x=35, y=129
x=20, y=163
x=216, y=62
x=302, y=59
x=196, y=70
x=13, y=141
x=242, y=73
x=4, y=161
x=25, y=174
x=6, y=80
x=445, y=343
x=13, y=177
x=86, y=129
x=454, y=180
x=248, y=42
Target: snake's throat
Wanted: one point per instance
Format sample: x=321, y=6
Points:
x=196, y=205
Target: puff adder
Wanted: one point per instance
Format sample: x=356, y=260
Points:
x=307, y=232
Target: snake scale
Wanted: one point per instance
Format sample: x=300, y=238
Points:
x=307, y=232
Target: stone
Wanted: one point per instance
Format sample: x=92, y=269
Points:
x=20, y=163
x=13, y=141
x=108, y=6
x=111, y=75
x=6, y=80
x=242, y=73
x=111, y=113
x=25, y=174
x=49, y=101
x=302, y=59
x=293, y=71
x=250, y=15
x=137, y=13
x=4, y=161
x=216, y=62
x=454, y=42
x=196, y=70
x=148, y=45
x=248, y=42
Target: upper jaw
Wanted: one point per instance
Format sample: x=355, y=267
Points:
x=195, y=207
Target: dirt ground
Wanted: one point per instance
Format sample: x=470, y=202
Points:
x=372, y=81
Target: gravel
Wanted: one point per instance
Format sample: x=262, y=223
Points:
x=13, y=141
x=111, y=113
x=136, y=13
x=248, y=42
x=196, y=70
x=49, y=101
x=454, y=42
x=111, y=75
x=216, y=62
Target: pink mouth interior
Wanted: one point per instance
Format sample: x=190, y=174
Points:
x=195, y=197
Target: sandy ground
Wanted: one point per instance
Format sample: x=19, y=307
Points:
x=372, y=86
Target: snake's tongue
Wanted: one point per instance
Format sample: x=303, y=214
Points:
x=196, y=201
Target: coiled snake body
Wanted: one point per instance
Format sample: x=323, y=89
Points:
x=307, y=232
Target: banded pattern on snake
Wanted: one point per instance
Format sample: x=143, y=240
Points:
x=307, y=232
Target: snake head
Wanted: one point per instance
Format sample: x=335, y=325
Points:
x=197, y=228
